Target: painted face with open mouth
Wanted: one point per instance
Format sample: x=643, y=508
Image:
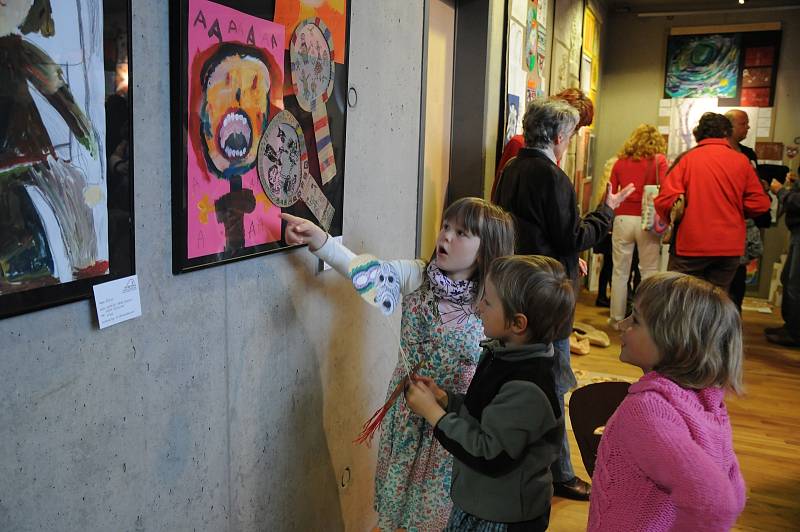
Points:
x=235, y=135
x=234, y=111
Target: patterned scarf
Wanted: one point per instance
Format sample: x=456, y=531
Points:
x=454, y=299
x=444, y=288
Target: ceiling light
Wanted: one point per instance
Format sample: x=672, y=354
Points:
x=741, y=2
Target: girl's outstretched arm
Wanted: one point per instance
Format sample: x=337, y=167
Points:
x=302, y=231
x=410, y=273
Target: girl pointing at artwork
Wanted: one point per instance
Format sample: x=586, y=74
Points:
x=440, y=336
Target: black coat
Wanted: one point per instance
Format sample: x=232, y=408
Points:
x=542, y=201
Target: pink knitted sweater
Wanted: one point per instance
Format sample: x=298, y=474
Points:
x=666, y=462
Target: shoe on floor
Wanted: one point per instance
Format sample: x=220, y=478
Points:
x=593, y=334
x=773, y=330
x=783, y=338
x=578, y=346
x=602, y=302
x=575, y=489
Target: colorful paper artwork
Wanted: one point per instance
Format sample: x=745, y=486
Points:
x=289, y=13
x=757, y=77
x=54, y=207
x=262, y=135
x=376, y=281
x=756, y=97
x=759, y=56
x=282, y=160
x=235, y=85
x=541, y=51
x=311, y=50
x=530, y=38
x=702, y=65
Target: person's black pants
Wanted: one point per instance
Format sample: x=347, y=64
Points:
x=790, y=279
x=739, y=286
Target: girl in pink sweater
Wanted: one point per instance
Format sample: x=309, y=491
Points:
x=666, y=460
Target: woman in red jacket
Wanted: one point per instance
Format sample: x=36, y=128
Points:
x=641, y=162
x=721, y=190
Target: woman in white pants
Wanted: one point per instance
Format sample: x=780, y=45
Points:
x=641, y=162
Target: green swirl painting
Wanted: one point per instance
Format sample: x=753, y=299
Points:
x=703, y=66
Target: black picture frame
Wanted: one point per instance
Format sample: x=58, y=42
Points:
x=119, y=190
x=180, y=108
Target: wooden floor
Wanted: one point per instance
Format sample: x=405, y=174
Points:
x=766, y=424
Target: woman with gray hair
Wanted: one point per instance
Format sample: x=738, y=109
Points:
x=542, y=201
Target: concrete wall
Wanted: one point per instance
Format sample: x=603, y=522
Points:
x=232, y=402
x=633, y=83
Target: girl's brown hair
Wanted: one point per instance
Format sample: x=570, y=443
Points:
x=696, y=328
x=490, y=223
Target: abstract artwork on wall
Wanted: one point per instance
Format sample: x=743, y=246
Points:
x=259, y=103
x=702, y=66
x=738, y=67
x=65, y=214
x=684, y=115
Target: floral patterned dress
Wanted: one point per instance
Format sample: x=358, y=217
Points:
x=413, y=474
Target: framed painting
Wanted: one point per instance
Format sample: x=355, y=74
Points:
x=259, y=116
x=66, y=180
x=738, y=67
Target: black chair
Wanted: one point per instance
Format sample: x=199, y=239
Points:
x=590, y=407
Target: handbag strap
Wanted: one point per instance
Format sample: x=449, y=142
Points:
x=654, y=162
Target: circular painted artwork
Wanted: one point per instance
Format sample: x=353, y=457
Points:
x=311, y=54
x=281, y=156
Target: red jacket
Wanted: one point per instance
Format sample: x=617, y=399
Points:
x=511, y=150
x=639, y=172
x=721, y=190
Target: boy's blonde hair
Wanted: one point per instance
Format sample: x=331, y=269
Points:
x=644, y=143
x=537, y=287
x=696, y=328
x=490, y=223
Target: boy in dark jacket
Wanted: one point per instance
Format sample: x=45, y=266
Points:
x=506, y=431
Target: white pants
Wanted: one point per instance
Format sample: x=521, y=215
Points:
x=626, y=234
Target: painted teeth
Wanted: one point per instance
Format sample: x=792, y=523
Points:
x=234, y=117
x=235, y=153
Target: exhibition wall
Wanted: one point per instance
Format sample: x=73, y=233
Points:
x=232, y=402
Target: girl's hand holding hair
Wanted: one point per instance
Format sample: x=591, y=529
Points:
x=302, y=231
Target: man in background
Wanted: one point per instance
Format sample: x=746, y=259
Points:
x=753, y=246
x=740, y=125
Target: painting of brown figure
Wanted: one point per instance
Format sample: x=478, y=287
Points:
x=53, y=214
x=235, y=83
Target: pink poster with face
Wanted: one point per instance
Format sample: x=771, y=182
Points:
x=235, y=82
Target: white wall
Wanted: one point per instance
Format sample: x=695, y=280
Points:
x=158, y=424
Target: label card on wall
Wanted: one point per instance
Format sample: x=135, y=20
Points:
x=117, y=301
